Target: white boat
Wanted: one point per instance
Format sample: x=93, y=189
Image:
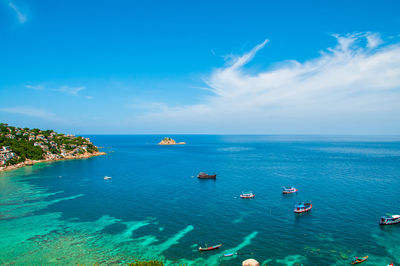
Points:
x=389, y=219
x=107, y=177
x=247, y=195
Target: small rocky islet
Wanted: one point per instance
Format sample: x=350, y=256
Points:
x=170, y=141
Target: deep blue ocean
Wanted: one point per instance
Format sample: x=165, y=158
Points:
x=154, y=207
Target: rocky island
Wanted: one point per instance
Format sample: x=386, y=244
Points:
x=169, y=141
x=23, y=146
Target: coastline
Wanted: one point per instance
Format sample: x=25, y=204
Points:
x=32, y=162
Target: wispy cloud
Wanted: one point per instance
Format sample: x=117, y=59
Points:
x=21, y=17
x=71, y=90
x=28, y=111
x=352, y=87
x=35, y=87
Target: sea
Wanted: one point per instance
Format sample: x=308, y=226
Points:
x=155, y=207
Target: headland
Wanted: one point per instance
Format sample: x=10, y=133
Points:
x=23, y=146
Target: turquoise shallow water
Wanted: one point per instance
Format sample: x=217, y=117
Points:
x=154, y=207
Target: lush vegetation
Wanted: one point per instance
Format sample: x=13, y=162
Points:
x=23, y=148
x=36, y=144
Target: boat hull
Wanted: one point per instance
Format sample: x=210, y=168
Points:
x=247, y=197
x=390, y=222
x=289, y=192
x=207, y=176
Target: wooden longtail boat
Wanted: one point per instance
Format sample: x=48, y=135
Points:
x=203, y=175
x=359, y=260
x=209, y=248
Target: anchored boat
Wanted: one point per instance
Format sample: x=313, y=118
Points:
x=302, y=207
x=203, y=175
x=209, y=248
x=392, y=219
x=107, y=177
x=247, y=195
x=289, y=190
x=358, y=260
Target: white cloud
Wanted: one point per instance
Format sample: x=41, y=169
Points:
x=74, y=91
x=21, y=17
x=35, y=87
x=351, y=88
x=373, y=40
x=71, y=90
x=33, y=112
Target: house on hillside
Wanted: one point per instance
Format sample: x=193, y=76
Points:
x=6, y=154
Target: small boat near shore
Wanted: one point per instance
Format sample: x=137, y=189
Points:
x=289, y=190
x=302, y=207
x=107, y=177
x=210, y=248
x=389, y=219
x=203, y=175
x=229, y=254
x=247, y=195
x=358, y=260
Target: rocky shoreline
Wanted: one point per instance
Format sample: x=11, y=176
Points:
x=68, y=157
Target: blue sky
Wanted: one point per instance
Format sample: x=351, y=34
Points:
x=216, y=67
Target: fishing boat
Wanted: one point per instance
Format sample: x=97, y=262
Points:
x=247, y=195
x=289, y=190
x=389, y=219
x=209, y=248
x=391, y=264
x=302, y=207
x=358, y=260
x=203, y=175
x=107, y=177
